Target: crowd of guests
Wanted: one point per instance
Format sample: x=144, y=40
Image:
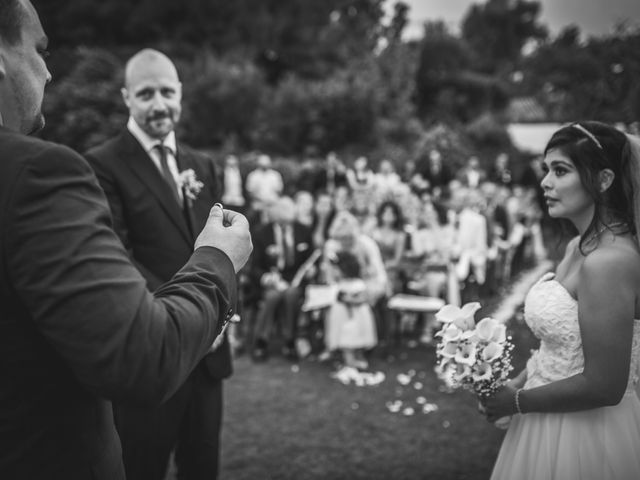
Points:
x=374, y=233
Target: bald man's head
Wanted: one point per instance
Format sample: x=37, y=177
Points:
x=153, y=92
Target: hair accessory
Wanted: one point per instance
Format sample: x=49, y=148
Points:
x=517, y=400
x=590, y=135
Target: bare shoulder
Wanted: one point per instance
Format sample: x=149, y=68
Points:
x=614, y=261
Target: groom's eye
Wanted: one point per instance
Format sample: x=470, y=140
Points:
x=144, y=94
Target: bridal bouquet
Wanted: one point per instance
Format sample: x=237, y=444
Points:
x=472, y=356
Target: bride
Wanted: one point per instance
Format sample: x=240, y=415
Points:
x=576, y=408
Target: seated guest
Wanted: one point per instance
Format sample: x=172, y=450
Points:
x=386, y=180
x=471, y=242
x=330, y=175
x=323, y=215
x=363, y=208
x=360, y=177
x=304, y=208
x=233, y=195
x=280, y=248
x=264, y=184
x=391, y=238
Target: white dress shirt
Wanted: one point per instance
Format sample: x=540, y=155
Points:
x=149, y=144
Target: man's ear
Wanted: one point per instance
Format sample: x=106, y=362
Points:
x=605, y=179
x=3, y=63
x=125, y=95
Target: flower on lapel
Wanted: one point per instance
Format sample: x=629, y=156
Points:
x=190, y=184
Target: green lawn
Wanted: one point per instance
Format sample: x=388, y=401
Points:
x=299, y=423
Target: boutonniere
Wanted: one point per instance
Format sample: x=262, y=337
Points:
x=190, y=184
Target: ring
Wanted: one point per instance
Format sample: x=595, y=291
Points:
x=217, y=204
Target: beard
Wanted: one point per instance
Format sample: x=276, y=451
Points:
x=160, y=124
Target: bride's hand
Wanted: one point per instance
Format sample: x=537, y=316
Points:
x=500, y=404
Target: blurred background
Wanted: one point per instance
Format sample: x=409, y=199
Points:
x=300, y=78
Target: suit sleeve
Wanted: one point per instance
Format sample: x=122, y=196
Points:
x=71, y=273
x=110, y=188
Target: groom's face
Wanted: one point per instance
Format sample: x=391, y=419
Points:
x=153, y=94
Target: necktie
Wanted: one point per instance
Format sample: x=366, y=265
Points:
x=166, y=173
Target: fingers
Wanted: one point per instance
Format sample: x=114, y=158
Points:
x=234, y=218
x=216, y=212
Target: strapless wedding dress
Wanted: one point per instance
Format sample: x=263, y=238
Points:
x=598, y=444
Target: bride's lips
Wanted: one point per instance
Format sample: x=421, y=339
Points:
x=550, y=199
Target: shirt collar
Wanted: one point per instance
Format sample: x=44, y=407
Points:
x=148, y=142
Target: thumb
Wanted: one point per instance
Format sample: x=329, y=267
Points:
x=216, y=213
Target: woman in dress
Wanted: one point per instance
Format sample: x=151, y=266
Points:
x=576, y=411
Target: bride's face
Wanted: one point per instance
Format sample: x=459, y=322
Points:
x=564, y=193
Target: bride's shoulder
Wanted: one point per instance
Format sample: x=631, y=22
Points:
x=617, y=258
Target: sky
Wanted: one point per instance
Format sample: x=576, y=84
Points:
x=594, y=17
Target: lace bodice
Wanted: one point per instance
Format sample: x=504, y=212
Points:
x=552, y=314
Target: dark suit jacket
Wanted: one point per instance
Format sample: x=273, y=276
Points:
x=264, y=242
x=77, y=323
x=441, y=178
x=158, y=234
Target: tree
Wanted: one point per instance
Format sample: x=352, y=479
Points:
x=595, y=79
x=447, y=87
x=85, y=108
x=497, y=30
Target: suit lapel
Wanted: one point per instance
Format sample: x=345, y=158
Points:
x=146, y=171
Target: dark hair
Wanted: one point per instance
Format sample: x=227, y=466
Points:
x=398, y=224
x=348, y=264
x=11, y=18
x=593, y=147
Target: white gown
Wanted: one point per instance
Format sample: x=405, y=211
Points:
x=598, y=444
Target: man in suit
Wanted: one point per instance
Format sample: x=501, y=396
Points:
x=281, y=248
x=433, y=175
x=79, y=326
x=155, y=215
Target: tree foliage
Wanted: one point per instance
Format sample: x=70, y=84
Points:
x=288, y=75
x=447, y=86
x=595, y=79
x=497, y=30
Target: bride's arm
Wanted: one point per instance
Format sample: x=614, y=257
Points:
x=606, y=301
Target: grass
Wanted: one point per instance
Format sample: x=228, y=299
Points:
x=285, y=421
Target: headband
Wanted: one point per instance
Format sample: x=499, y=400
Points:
x=589, y=135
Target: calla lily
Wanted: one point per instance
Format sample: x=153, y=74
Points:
x=482, y=371
x=461, y=317
x=461, y=373
x=445, y=372
x=486, y=328
x=449, y=349
x=449, y=333
x=492, y=352
x=466, y=354
x=500, y=334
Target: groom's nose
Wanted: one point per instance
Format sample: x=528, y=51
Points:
x=158, y=102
